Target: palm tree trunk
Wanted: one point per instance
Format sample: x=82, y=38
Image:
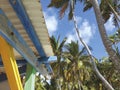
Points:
x=79, y=82
x=68, y=85
x=108, y=45
x=105, y=82
x=58, y=75
x=58, y=84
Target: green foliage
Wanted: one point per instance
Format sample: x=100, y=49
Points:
x=105, y=9
x=65, y=5
x=56, y=45
x=87, y=5
x=73, y=65
x=109, y=7
x=57, y=3
x=39, y=84
x=107, y=69
x=74, y=72
x=115, y=39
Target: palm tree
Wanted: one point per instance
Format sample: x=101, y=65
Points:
x=58, y=66
x=64, y=4
x=105, y=39
x=107, y=69
x=76, y=59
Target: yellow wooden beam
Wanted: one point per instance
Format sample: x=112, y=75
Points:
x=10, y=65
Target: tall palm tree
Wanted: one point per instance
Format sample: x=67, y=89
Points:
x=108, y=45
x=72, y=2
x=64, y=4
x=75, y=71
x=58, y=66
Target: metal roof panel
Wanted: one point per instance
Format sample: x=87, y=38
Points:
x=34, y=11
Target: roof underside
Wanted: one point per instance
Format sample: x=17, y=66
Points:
x=34, y=12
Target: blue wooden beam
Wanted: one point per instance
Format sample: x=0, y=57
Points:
x=8, y=32
x=23, y=16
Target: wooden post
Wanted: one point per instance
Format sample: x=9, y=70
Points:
x=10, y=65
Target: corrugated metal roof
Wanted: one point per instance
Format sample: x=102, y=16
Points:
x=34, y=11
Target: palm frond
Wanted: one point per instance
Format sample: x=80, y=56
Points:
x=62, y=44
x=57, y=3
x=63, y=9
x=70, y=16
x=115, y=22
x=105, y=10
x=53, y=43
x=87, y=5
x=73, y=48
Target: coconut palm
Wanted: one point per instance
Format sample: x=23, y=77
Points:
x=114, y=58
x=58, y=66
x=88, y=50
x=64, y=4
x=77, y=61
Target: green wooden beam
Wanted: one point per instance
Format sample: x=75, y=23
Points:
x=30, y=78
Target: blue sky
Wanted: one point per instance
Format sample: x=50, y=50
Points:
x=86, y=23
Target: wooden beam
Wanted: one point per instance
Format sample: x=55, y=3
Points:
x=10, y=65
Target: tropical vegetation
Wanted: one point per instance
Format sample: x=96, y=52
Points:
x=76, y=67
x=76, y=71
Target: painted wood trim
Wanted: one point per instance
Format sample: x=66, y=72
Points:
x=30, y=78
x=10, y=65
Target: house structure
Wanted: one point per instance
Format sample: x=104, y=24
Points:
x=24, y=44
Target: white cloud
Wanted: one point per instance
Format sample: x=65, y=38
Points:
x=86, y=30
x=71, y=38
x=51, y=22
x=109, y=25
x=78, y=19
